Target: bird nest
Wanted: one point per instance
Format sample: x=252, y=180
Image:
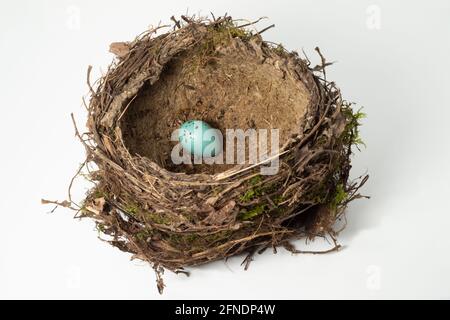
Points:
x=222, y=72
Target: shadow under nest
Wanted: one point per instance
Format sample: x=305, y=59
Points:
x=178, y=217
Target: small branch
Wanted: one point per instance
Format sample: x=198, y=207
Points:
x=265, y=29
x=177, y=22
x=251, y=23
x=248, y=259
x=88, y=80
x=65, y=204
x=289, y=247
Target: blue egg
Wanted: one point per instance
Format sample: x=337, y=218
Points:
x=200, y=139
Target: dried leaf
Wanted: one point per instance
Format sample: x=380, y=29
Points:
x=99, y=204
x=120, y=49
x=221, y=216
x=65, y=203
x=108, y=145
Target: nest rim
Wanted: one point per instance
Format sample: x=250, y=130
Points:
x=107, y=119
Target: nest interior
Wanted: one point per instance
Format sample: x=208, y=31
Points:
x=229, y=85
x=220, y=72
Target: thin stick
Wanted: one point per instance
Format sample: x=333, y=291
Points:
x=265, y=29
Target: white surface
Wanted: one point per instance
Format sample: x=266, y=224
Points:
x=397, y=244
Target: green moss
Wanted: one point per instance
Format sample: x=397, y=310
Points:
x=230, y=29
x=255, y=180
x=98, y=193
x=278, y=199
x=183, y=239
x=158, y=218
x=250, y=195
x=351, y=135
x=190, y=217
x=339, y=196
x=192, y=241
x=100, y=228
x=253, y=212
x=318, y=193
x=217, y=35
x=279, y=49
x=227, y=32
x=132, y=209
x=322, y=140
x=143, y=235
x=257, y=189
x=138, y=213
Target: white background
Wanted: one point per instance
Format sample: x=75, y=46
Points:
x=392, y=58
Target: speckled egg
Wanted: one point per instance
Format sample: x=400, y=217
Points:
x=200, y=139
